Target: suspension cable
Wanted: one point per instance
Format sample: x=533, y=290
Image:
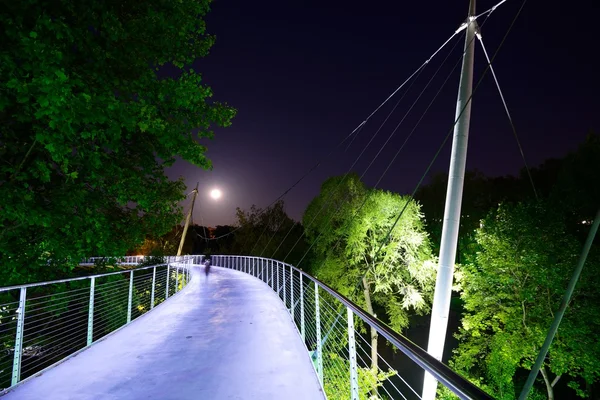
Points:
x=512, y=125
x=356, y=130
x=491, y=10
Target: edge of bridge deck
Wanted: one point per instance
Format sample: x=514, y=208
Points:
x=225, y=336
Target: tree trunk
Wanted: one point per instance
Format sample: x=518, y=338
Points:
x=374, y=356
x=549, y=385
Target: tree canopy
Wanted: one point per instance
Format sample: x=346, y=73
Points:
x=270, y=233
x=510, y=292
x=349, y=225
x=87, y=127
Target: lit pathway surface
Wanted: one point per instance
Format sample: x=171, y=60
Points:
x=225, y=336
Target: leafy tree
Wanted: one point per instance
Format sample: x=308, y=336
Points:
x=575, y=190
x=269, y=233
x=155, y=245
x=336, y=378
x=510, y=292
x=349, y=225
x=87, y=127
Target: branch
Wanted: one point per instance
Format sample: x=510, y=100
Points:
x=549, y=303
x=523, y=307
x=555, y=380
x=549, y=388
x=24, y=159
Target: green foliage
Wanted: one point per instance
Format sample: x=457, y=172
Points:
x=87, y=128
x=351, y=224
x=268, y=233
x=510, y=293
x=336, y=378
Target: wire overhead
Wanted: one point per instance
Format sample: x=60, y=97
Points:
x=355, y=130
x=512, y=125
x=384, y=145
x=456, y=120
x=491, y=10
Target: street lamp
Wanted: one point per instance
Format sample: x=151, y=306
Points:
x=215, y=194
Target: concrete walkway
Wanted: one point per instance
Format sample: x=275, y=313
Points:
x=225, y=336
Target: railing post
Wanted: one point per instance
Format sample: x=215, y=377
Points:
x=302, y=309
x=352, y=357
x=90, y=332
x=153, y=285
x=319, y=344
x=177, y=278
x=168, y=277
x=284, y=293
x=130, y=296
x=272, y=275
x=16, y=373
x=277, y=266
x=292, y=292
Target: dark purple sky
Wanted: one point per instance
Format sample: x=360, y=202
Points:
x=303, y=75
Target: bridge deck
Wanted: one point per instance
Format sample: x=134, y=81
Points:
x=225, y=336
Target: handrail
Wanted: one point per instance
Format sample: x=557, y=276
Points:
x=452, y=380
x=79, y=278
x=65, y=321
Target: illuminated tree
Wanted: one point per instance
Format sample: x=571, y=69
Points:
x=87, y=127
x=349, y=225
x=520, y=273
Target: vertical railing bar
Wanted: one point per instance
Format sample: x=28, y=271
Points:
x=168, y=278
x=319, y=344
x=284, y=291
x=90, y=332
x=302, y=327
x=130, y=296
x=153, y=286
x=352, y=357
x=292, y=292
x=16, y=372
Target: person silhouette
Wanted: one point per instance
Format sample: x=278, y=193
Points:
x=207, y=266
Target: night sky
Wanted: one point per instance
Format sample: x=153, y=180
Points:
x=303, y=75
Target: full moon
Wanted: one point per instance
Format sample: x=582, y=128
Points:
x=215, y=194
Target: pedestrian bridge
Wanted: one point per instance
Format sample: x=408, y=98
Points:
x=246, y=328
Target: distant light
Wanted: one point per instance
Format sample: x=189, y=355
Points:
x=215, y=194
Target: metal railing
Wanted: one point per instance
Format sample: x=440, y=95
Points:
x=125, y=260
x=43, y=323
x=335, y=331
